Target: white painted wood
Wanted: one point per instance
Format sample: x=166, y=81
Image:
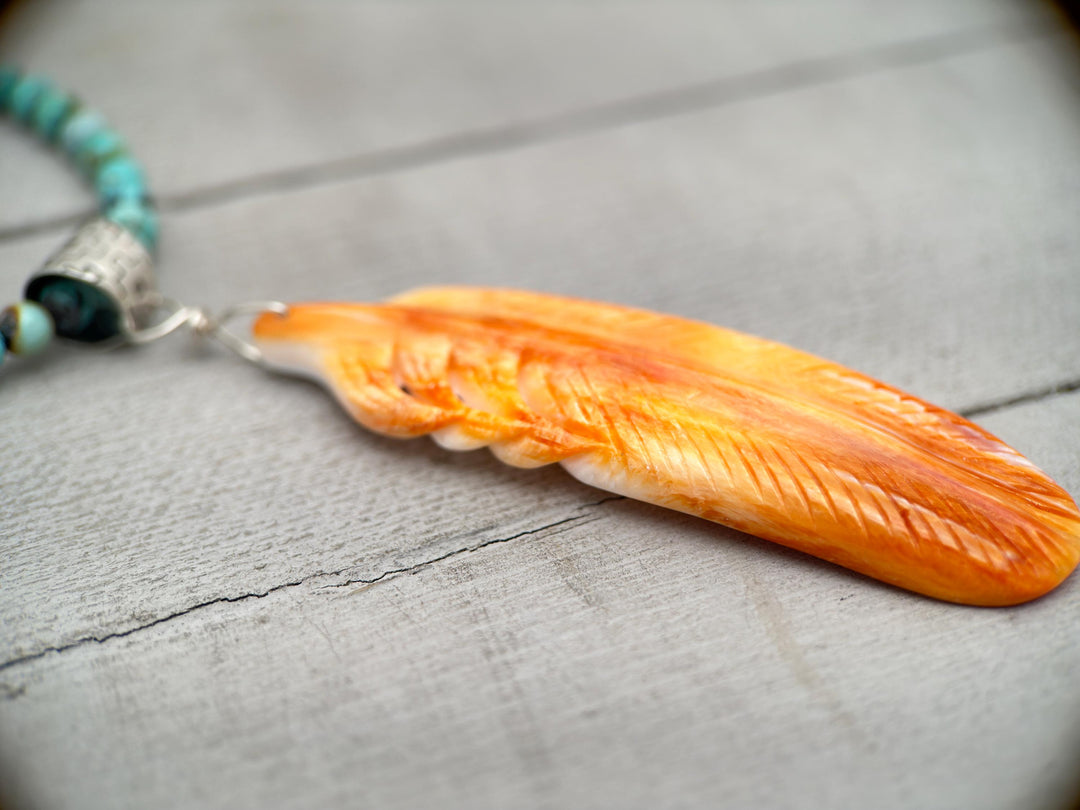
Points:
x=915, y=223
x=224, y=91
x=642, y=659
x=177, y=478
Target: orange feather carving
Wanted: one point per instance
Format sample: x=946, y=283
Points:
x=730, y=427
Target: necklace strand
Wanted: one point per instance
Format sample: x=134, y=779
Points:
x=100, y=284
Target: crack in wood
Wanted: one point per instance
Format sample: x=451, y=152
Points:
x=574, y=520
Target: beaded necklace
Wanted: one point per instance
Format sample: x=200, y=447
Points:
x=100, y=286
x=726, y=426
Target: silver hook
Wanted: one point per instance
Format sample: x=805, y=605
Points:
x=204, y=324
x=215, y=327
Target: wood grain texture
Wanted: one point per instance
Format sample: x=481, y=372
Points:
x=913, y=279
x=641, y=660
x=196, y=536
x=321, y=82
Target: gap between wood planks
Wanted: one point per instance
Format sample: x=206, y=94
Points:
x=1035, y=395
x=584, y=516
x=683, y=100
x=689, y=98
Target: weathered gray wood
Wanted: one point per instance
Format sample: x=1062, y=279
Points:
x=903, y=271
x=231, y=90
x=203, y=521
x=642, y=659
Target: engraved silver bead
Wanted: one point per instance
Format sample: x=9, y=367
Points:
x=99, y=286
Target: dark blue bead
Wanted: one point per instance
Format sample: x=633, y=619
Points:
x=79, y=310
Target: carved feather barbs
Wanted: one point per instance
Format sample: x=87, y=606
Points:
x=719, y=424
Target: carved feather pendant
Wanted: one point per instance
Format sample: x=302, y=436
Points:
x=735, y=429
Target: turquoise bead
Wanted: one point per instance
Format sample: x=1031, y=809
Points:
x=79, y=310
x=102, y=156
x=52, y=109
x=99, y=148
x=27, y=327
x=9, y=77
x=138, y=218
x=120, y=179
x=76, y=130
x=25, y=95
x=3, y=351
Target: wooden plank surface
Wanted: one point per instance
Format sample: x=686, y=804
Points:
x=223, y=92
x=902, y=271
x=187, y=543
x=637, y=659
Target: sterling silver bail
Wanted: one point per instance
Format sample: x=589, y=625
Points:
x=203, y=323
x=100, y=288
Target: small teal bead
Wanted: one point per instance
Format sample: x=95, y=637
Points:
x=120, y=179
x=3, y=351
x=76, y=130
x=9, y=77
x=25, y=95
x=52, y=109
x=26, y=328
x=98, y=149
x=138, y=218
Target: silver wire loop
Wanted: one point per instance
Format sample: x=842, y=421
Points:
x=202, y=323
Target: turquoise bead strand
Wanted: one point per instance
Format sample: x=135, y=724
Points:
x=73, y=308
x=84, y=135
